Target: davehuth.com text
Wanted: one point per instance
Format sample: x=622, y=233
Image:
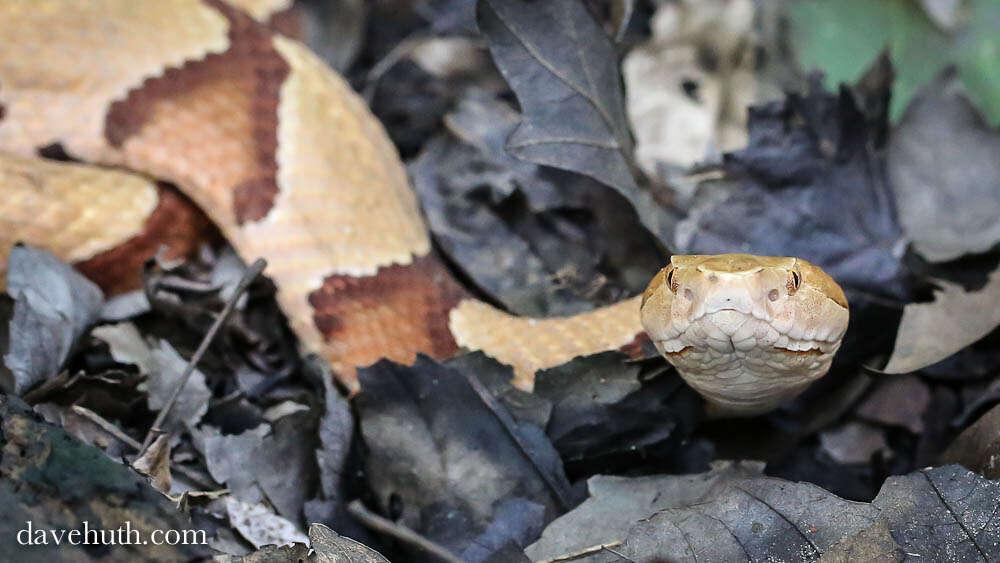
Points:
x=122, y=535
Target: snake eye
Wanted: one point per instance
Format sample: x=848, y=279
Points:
x=794, y=281
x=670, y=281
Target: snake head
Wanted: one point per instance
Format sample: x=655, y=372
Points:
x=746, y=331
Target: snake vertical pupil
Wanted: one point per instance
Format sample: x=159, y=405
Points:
x=794, y=280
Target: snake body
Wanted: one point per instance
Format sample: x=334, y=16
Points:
x=290, y=165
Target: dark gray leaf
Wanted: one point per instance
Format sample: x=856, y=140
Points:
x=516, y=522
x=897, y=401
x=943, y=514
x=931, y=332
x=756, y=519
x=495, y=378
x=542, y=241
x=335, y=431
x=617, y=503
x=53, y=305
x=228, y=457
x=276, y=462
x=461, y=185
x=449, y=16
x=564, y=70
x=444, y=460
x=166, y=367
x=854, y=442
x=600, y=409
x=938, y=514
x=945, y=172
x=284, y=465
x=334, y=30
x=811, y=183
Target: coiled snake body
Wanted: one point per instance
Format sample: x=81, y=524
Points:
x=291, y=166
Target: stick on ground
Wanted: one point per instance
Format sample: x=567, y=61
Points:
x=251, y=274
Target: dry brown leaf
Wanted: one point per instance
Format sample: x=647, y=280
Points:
x=260, y=526
x=978, y=446
x=155, y=464
x=683, y=110
x=331, y=547
x=930, y=332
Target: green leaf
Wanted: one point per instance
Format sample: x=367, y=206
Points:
x=979, y=59
x=843, y=37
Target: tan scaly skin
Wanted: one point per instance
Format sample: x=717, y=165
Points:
x=747, y=332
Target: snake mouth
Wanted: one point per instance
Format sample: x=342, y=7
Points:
x=680, y=352
x=801, y=353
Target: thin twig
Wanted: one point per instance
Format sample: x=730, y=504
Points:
x=131, y=442
x=582, y=552
x=620, y=555
x=251, y=274
x=400, y=532
x=107, y=426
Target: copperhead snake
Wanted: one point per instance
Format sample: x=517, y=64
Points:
x=290, y=165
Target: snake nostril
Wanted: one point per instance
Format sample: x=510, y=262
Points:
x=688, y=294
x=772, y=295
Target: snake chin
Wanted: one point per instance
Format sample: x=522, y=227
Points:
x=742, y=364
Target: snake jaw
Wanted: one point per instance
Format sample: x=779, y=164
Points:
x=743, y=330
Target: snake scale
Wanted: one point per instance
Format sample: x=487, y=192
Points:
x=290, y=165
